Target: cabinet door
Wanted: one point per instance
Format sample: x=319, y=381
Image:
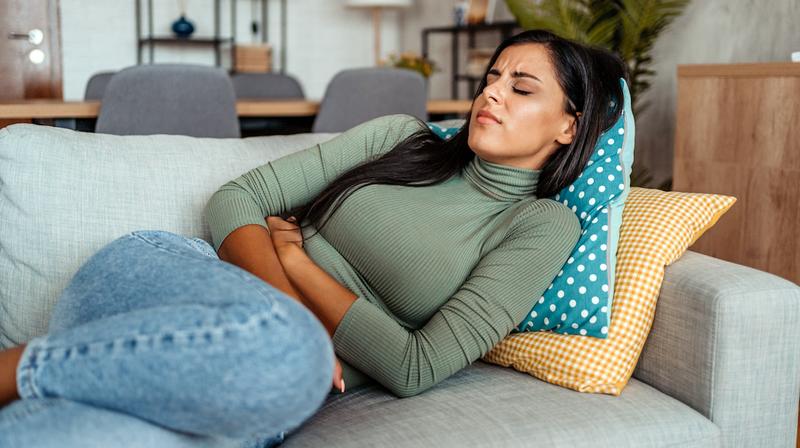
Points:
x=30, y=52
x=737, y=133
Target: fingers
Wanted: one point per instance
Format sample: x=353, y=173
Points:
x=278, y=223
x=284, y=231
x=338, y=381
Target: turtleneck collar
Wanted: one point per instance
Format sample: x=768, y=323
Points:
x=502, y=182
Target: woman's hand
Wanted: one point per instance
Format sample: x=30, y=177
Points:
x=285, y=234
x=338, y=381
x=287, y=240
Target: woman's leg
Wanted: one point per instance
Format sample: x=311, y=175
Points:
x=62, y=423
x=148, y=268
x=74, y=306
x=156, y=329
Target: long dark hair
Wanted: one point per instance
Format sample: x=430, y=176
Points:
x=589, y=77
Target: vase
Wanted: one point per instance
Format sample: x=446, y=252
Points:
x=182, y=27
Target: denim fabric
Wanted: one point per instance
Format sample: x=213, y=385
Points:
x=155, y=341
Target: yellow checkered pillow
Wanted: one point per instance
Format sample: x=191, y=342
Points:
x=657, y=228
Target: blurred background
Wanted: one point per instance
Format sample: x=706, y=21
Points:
x=312, y=40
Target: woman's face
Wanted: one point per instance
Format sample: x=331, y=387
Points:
x=523, y=95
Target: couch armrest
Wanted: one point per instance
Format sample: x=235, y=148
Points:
x=726, y=341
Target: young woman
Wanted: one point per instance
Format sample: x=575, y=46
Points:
x=407, y=256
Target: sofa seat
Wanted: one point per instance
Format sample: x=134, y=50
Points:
x=486, y=405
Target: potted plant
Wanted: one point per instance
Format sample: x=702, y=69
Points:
x=411, y=61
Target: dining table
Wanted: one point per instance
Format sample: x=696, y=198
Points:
x=54, y=109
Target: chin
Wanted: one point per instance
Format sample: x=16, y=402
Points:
x=482, y=145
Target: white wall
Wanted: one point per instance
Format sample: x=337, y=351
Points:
x=323, y=37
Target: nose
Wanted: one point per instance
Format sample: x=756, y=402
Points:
x=491, y=93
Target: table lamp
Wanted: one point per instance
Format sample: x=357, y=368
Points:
x=376, y=6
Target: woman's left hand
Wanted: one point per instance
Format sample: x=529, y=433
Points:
x=285, y=234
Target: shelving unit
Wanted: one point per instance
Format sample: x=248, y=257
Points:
x=506, y=28
x=216, y=41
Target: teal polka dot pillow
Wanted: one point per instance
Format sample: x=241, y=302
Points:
x=578, y=301
x=443, y=131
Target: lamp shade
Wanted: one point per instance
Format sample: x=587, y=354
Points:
x=379, y=3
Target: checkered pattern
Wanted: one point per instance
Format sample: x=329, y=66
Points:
x=657, y=227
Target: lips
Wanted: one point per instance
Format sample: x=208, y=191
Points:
x=487, y=116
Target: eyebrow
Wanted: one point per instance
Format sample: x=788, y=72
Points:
x=516, y=74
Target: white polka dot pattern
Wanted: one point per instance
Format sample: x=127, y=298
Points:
x=598, y=198
x=443, y=132
x=657, y=228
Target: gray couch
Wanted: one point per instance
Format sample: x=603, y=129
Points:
x=721, y=366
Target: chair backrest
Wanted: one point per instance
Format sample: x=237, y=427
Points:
x=266, y=85
x=96, y=85
x=181, y=99
x=358, y=95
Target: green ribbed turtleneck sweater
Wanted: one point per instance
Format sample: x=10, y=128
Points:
x=442, y=272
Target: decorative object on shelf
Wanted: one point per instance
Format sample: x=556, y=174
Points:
x=253, y=58
x=480, y=11
x=411, y=61
x=182, y=27
x=490, y=11
x=628, y=28
x=376, y=6
x=460, y=13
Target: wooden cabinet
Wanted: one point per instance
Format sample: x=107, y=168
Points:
x=738, y=133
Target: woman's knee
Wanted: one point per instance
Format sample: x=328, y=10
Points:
x=230, y=370
x=293, y=390
x=274, y=372
x=134, y=270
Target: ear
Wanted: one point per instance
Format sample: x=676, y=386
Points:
x=570, y=128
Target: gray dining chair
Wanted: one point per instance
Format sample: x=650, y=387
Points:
x=266, y=86
x=96, y=85
x=357, y=95
x=183, y=99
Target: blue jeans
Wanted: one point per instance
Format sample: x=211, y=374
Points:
x=157, y=342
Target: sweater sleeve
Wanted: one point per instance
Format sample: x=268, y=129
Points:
x=498, y=293
x=297, y=178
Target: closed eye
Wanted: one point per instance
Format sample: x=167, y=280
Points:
x=521, y=92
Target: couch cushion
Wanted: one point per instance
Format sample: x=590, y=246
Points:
x=65, y=194
x=485, y=405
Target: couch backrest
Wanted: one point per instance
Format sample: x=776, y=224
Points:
x=65, y=194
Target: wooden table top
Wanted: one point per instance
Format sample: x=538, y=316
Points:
x=46, y=108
